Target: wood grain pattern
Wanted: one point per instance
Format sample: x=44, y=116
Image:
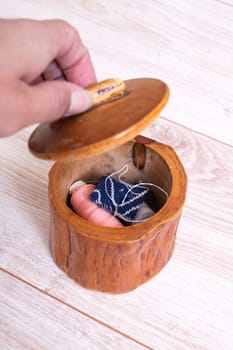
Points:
x=189, y=304
x=32, y=320
x=117, y=260
x=89, y=134
x=186, y=44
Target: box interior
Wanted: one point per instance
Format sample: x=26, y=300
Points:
x=90, y=170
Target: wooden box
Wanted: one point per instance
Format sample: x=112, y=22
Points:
x=108, y=259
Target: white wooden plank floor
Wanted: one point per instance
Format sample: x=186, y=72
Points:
x=189, y=305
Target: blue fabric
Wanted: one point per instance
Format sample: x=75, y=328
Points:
x=119, y=198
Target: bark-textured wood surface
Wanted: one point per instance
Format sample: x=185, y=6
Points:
x=188, y=305
x=117, y=260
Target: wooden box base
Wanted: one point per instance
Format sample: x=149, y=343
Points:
x=117, y=260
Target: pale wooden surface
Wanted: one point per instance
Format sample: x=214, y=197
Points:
x=189, y=305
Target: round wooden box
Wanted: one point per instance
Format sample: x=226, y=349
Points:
x=107, y=259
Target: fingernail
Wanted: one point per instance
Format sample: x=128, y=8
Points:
x=80, y=101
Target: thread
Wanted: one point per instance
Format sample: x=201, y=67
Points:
x=115, y=207
x=99, y=213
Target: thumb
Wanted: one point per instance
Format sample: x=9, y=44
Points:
x=52, y=100
x=22, y=104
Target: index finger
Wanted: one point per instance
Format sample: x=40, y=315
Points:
x=74, y=60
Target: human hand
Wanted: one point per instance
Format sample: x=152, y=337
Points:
x=44, y=68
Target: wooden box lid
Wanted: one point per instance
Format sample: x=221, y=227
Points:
x=103, y=127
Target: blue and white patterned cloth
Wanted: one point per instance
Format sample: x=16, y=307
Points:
x=119, y=198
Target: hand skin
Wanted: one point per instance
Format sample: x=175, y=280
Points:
x=44, y=69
